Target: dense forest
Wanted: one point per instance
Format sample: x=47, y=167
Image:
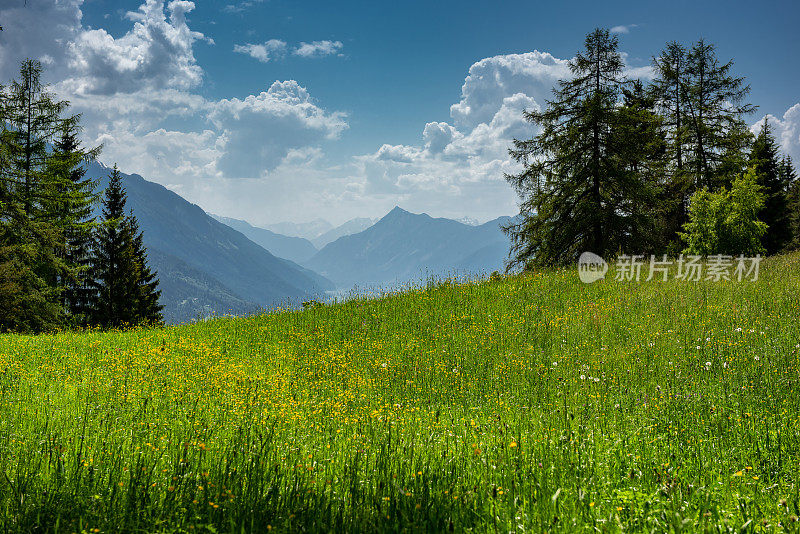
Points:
x=665, y=167
x=59, y=265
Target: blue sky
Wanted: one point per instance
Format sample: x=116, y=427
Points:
x=408, y=103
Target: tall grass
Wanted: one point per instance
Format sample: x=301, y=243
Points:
x=529, y=403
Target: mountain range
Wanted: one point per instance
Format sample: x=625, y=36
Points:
x=205, y=266
x=297, y=249
x=405, y=247
x=353, y=226
x=217, y=265
x=308, y=230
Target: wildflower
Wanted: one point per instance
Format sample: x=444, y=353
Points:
x=708, y=366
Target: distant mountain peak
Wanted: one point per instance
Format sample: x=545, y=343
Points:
x=469, y=221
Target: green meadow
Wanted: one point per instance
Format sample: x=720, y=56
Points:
x=526, y=403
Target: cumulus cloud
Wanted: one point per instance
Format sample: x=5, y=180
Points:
x=786, y=130
x=492, y=79
x=156, y=52
x=471, y=153
x=318, y=48
x=286, y=112
x=38, y=29
x=271, y=49
x=275, y=48
x=137, y=95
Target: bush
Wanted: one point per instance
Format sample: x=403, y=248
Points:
x=726, y=222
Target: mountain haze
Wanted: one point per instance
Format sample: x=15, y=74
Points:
x=353, y=226
x=296, y=249
x=405, y=247
x=203, y=265
x=308, y=230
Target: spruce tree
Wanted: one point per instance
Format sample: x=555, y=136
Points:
x=30, y=244
x=789, y=176
x=580, y=189
x=765, y=160
x=717, y=136
x=125, y=289
x=71, y=210
x=146, y=294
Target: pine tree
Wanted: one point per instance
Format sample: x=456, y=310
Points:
x=580, y=188
x=30, y=245
x=789, y=176
x=147, y=310
x=765, y=160
x=71, y=210
x=669, y=91
x=126, y=291
x=717, y=135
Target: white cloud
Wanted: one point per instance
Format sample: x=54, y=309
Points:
x=136, y=95
x=623, y=28
x=274, y=48
x=786, y=130
x=38, y=29
x=261, y=129
x=492, y=79
x=241, y=6
x=156, y=53
x=318, y=48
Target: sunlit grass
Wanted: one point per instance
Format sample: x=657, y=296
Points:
x=528, y=403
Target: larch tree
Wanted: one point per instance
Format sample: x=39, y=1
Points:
x=669, y=90
x=31, y=245
x=580, y=189
x=716, y=134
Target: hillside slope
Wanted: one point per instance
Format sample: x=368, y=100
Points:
x=532, y=402
x=296, y=249
x=242, y=273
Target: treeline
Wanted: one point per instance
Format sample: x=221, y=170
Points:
x=664, y=167
x=59, y=266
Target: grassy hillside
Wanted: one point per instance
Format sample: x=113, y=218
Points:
x=524, y=404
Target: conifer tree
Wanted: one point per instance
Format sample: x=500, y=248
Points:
x=789, y=176
x=30, y=245
x=126, y=291
x=765, y=160
x=146, y=294
x=717, y=136
x=71, y=211
x=580, y=189
x=669, y=91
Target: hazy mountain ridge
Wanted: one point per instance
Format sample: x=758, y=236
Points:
x=191, y=251
x=308, y=230
x=297, y=249
x=353, y=226
x=405, y=247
